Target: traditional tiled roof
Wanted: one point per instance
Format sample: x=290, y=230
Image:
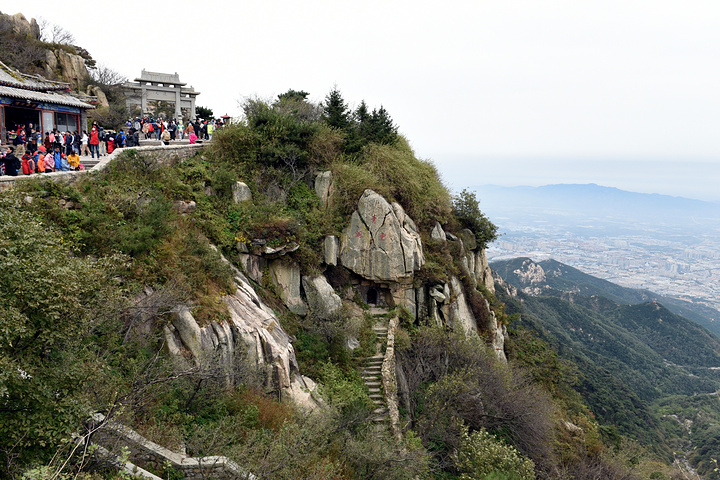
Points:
x=50, y=97
x=35, y=88
x=13, y=78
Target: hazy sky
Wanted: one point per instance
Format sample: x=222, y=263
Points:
x=493, y=91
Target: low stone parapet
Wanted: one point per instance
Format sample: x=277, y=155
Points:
x=146, y=454
x=164, y=154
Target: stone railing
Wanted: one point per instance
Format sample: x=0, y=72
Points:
x=163, y=153
x=143, y=454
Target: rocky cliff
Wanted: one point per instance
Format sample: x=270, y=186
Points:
x=381, y=249
x=65, y=63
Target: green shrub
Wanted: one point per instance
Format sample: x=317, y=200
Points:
x=482, y=456
x=466, y=209
x=414, y=184
x=344, y=390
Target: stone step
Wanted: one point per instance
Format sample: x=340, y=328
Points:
x=371, y=362
x=375, y=390
x=374, y=363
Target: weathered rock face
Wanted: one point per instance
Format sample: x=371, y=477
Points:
x=324, y=187
x=21, y=25
x=332, y=246
x=286, y=278
x=377, y=245
x=460, y=315
x=322, y=300
x=253, y=329
x=468, y=238
x=446, y=305
x=530, y=273
x=72, y=68
x=96, y=91
x=184, y=207
x=483, y=272
x=51, y=63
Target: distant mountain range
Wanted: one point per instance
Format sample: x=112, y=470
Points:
x=597, y=202
x=638, y=362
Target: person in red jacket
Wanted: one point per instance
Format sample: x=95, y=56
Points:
x=94, y=142
x=26, y=169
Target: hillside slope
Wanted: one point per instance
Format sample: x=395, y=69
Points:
x=553, y=277
x=632, y=357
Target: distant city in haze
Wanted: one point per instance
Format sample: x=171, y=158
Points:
x=690, y=178
x=668, y=245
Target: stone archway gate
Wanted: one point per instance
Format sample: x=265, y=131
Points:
x=166, y=87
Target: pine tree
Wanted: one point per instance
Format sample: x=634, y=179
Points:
x=335, y=111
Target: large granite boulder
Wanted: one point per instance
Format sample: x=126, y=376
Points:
x=437, y=233
x=96, y=91
x=381, y=243
x=321, y=298
x=241, y=193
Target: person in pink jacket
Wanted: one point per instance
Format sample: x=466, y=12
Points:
x=49, y=162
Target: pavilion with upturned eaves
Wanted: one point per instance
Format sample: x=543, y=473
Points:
x=165, y=87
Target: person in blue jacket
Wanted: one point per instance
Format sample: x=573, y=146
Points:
x=57, y=158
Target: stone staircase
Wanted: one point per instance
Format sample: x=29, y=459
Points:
x=371, y=369
x=89, y=162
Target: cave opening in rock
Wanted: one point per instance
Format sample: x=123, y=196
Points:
x=372, y=296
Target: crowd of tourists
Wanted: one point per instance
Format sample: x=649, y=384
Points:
x=41, y=160
x=31, y=152
x=169, y=131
